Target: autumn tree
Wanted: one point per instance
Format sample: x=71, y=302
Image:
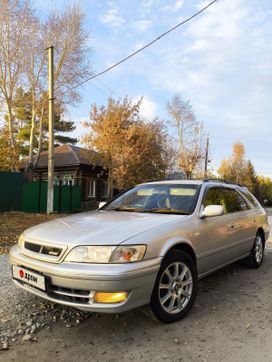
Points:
x=131, y=150
x=264, y=193
x=9, y=158
x=239, y=170
x=190, y=135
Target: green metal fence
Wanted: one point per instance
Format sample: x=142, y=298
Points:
x=11, y=184
x=67, y=198
x=32, y=197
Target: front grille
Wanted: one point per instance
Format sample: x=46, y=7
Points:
x=46, y=252
x=69, y=295
x=43, y=249
x=33, y=247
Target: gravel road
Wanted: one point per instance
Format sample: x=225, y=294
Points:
x=231, y=321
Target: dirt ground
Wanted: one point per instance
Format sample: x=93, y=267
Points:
x=231, y=321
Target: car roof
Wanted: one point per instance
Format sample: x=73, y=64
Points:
x=173, y=182
x=194, y=182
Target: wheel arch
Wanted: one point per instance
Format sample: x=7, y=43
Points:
x=184, y=246
x=261, y=232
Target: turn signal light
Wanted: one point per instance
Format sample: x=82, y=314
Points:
x=108, y=297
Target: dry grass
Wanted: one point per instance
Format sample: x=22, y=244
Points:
x=12, y=224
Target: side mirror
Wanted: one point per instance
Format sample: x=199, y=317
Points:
x=101, y=204
x=213, y=210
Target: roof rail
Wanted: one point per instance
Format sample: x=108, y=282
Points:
x=216, y=180
x=222, y=180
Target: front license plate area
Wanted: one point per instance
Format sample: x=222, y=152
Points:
x=28, y=277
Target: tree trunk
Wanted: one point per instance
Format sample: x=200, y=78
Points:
x=11, y=135
x=29, y=166
x=36, y=160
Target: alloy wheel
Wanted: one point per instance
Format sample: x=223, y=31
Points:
x=258, y=249
x=175, y=287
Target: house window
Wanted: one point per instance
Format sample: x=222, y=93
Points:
x=104, y=191
x=91, y=188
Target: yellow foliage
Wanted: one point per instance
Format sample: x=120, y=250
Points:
x=9, y=156
x=237, y=169
x=131, y=150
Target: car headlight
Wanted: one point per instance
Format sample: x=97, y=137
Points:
x=21, y=241
x=106, y=254
x=128, y=253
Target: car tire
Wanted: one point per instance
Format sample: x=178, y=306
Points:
x=256, y=256
x=175, y=288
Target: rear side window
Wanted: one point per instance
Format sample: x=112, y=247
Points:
x=249, y=197
x=234, y=202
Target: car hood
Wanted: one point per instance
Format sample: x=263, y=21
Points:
x=97, y=227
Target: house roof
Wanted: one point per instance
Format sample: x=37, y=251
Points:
x=69, y=155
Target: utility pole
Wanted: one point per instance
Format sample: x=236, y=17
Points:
x=206, y=158
x=50, y=187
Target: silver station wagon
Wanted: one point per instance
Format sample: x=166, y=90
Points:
x=148, y=246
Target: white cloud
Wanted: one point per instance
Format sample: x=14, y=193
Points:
x=80, y=130
x=112, y=18
x=141, y=25
x=147, y=3
x=178, y=4
x=148, y=108
x=173, y=7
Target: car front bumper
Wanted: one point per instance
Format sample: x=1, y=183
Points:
x=74, y=284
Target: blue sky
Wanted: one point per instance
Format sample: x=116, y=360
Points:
x=221, y=61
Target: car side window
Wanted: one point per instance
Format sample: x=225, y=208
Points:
x=250, y=198
x=234, y=202
x=214, y=196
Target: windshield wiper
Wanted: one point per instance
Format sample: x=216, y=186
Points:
x=167, y=211
x=155, y=210
x=123, y=208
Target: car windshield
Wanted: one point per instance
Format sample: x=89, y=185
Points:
x=157, y=198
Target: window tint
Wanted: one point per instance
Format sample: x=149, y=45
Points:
x=250, y=198
x=228, y=198
x=213, y=196
x=234, y=202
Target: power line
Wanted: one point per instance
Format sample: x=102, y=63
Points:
x=107, y=87
x=101, y=90
x=144, y=47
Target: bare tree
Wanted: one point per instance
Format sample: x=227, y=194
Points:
x=193, y=154
x=23, y=64
x=189, y=134
x=35, y=75
x=67, y=33
x=14, y=27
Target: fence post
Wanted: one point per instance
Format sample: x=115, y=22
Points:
x=39, y=194
x=60, y=196
x=70, y=195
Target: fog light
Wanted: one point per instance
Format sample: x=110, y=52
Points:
x=108, y=297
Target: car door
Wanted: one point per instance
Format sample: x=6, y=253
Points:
x=214, y=235
x=240, y=224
